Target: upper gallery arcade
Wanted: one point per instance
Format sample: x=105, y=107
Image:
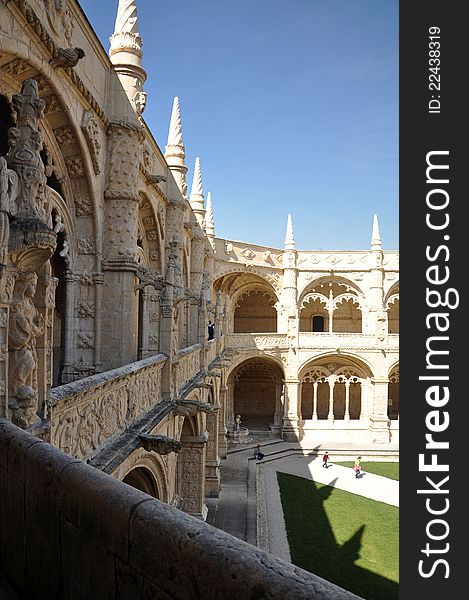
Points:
x=111, y=270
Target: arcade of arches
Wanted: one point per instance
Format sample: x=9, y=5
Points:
x=110, y=272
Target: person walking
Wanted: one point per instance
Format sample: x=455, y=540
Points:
x=325, y=460
x=357, y=467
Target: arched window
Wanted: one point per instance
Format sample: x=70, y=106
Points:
x=317, y=323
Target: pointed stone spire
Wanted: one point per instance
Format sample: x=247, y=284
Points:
x=175, y=127
x=126, y=53
x=289, y=236
x=209, y=218
x=375, y=236
x=197, y=194
x=175, y=152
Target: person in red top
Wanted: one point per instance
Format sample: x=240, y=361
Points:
x=325, y=460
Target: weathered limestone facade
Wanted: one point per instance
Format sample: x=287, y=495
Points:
x=110, y=273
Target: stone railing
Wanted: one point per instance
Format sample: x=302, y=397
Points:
x=85, y=414
x=256, y=341
x=360, y=341
x=212, y=350
x=65, y=518
x=187, y=365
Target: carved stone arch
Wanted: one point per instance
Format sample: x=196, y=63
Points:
x=392, y=308
x=393, y=392
x=333, y=387
x=392, y=299
x=393, y=291
x=225, y=277
x=349, y=373
x=68, y=146
x=248, y=355
x=316, y=375
x=394, y=373
x=349, y=286
x=157, y=475
x=255, y=391
x=348, y=298
x=321, y=298
x=348, y=359
x=250, y=289
x=252, y=305
x=152, y=235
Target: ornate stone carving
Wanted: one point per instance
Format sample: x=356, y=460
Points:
x=31, y=242
x=51, y=104
x=148, y=277
x=59, y=17
x=66, y=58
x=85, y=339
x=75, y=166
x=64, y=135
x=86, y=309
x=189, y=408
x=83, y=205
x=90, y=128
x=160, y=444
x=26, y=324
x=8, y=191
x=86, y=246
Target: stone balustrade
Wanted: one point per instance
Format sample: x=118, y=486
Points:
x=212, y=350
x=359, y=341
x=259, y=341
x=86, y=414
x=309, y=340
x=69, y=530
x=187, y=364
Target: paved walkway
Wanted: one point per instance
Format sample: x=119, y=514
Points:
x=249, y=506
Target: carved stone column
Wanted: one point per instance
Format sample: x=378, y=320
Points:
x=68, y=373
x=45, y=303
x=7, y=283
x=222, y=429
x=379, y=422
x=290, y=426
x=119, y=333
x=212, y=463
x=197, y=269
x=376, y=321
x=191, y=476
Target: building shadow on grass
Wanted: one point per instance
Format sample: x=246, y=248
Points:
x=315, y=547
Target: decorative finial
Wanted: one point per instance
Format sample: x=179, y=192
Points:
x=375, y=236
x=126, y=53
x=197, y=194
x=175, y=127
x=289, y=237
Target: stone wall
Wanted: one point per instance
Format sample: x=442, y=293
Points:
x=68, y=530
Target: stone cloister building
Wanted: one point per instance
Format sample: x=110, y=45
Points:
x=110, y=271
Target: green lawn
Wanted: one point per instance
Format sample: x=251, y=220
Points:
x=345, y=538
x=386, y=469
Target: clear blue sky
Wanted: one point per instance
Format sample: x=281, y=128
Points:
x=291, y=106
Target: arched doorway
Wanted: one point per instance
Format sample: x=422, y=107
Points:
x=142, y=479
x=256, y=386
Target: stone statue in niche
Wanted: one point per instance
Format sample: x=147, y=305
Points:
x=26, y=325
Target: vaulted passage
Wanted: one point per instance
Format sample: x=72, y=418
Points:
x=255, y=313
x=256, y=387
